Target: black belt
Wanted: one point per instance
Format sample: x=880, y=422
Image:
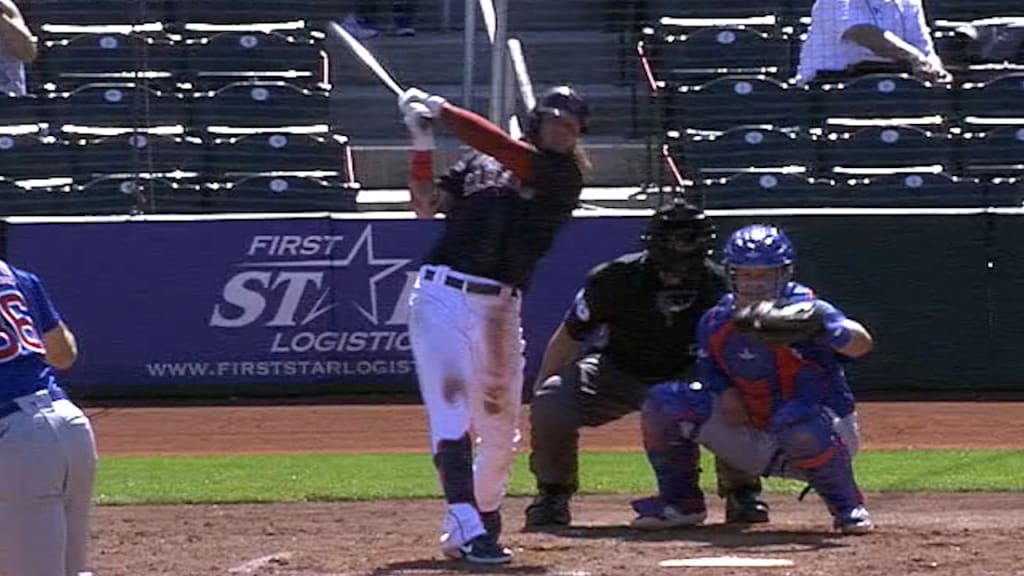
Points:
x=469, y=286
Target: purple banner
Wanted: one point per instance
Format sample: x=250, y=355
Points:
x=301, y=305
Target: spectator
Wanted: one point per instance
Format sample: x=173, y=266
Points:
x=17, y=47
x=362, y=23
x=851, y=38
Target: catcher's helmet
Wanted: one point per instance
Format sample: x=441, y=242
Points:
x=679, y=237
x=759, y=246
x=556, y=102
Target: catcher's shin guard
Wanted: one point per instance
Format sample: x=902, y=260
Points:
x=670, y=419
x=809, y=442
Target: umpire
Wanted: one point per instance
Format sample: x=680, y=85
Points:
x=631, y=326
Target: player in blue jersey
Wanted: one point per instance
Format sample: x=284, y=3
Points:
x=765, y=407
x=47, y=448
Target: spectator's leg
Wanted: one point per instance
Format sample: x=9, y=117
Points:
x=405, y=17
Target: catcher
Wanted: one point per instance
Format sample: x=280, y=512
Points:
x=770, y=370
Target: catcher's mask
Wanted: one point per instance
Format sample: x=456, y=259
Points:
x=679, y=237
x=759, y=262
x=557, y=102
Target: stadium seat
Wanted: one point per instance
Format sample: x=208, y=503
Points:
x=29, y=157
x=737, y=100
x=714, y=8
x=767, y=190
x=997, y=98
x=966, y=10
x=91, y=12
x=253, y=55
x=88, y=58
x=20, y=111
x=1003, y=192
x=742, y=148
x=283, y=193
x=278, y=152
x=886, y=147
x=261, y=104
x=915, y=190
x=707, y=53
x=235, y=12
x=18, y=201
x=130, y=153
x=119, y=105
x=883, y=96
x=133, y=194
x=997, y=152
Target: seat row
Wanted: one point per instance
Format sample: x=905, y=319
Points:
x=169, y=61
x=736, y=100
x=251, y=103
x=996, y=152
x=77, y=12
x=894, y=190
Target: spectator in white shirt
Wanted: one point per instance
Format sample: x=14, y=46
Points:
x=850, y=38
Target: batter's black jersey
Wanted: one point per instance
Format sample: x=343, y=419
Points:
x=497, y=226
x=645, y=328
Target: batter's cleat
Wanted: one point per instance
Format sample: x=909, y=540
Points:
x=745, y=508
x=492, y=523
x=548, y=510
x=856, y=521
x=668, y=518
x=480, y=550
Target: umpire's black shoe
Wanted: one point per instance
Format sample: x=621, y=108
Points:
x=745, y=508
x=548, y=511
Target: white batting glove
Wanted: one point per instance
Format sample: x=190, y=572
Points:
x=418, y=120
x=410, y=96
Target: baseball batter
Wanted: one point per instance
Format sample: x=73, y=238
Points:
x=768, y=367
x=504, y=204
x=47, y=450
x=632, y=325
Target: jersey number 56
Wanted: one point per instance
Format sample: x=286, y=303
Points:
x=17, y=332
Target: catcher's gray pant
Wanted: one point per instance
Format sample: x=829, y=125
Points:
x=47, y=469
x=591, y=392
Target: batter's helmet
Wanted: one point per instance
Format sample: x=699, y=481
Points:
x=679, y=237
x=556, y=102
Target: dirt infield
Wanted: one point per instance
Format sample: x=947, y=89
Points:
x=919, y=534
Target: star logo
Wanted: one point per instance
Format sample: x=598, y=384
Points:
x=747, y=355
x=361, y=255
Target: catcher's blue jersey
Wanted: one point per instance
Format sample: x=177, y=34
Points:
x=768, y=376
x=26, y=313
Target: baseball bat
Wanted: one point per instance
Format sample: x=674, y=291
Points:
x=367, y=58
x=515, y=51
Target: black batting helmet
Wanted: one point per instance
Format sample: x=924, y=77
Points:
x=556, y=102
x=679, y=237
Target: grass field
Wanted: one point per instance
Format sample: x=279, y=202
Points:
x=333, y=477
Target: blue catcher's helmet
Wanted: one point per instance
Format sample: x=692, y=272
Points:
x=764, y=247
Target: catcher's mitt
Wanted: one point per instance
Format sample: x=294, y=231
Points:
x=781, y=324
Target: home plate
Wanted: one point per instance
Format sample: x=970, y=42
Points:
x=726, y=561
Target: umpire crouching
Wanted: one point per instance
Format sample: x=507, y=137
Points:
x=631, y=326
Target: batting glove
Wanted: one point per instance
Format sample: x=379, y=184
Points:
x=417, y=120
x=410, y=96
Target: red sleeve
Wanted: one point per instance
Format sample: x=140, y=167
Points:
x=483, y=135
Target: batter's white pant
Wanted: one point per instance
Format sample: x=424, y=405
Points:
x=47, y=471
x=469, y=360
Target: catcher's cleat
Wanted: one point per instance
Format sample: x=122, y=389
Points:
x=668, y=518
x=855, y=521
x=480, y=550
x=548, y=510
x=745, y=508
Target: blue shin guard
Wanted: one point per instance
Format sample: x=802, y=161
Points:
x=671, y=417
